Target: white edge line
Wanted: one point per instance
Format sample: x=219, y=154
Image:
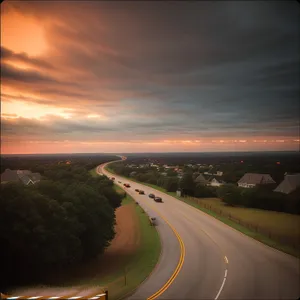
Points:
x=11, y=298
x=222, y=286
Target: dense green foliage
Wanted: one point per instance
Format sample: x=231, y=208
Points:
x=260, y=197
x=65, y=219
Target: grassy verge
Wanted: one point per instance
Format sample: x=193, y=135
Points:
x=278, y=222
x=133, y=270
x=140, y=265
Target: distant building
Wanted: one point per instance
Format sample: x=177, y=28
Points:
x=201, y=180
x=219, y=173
x=250, y=180
x=24, y=176
x=289, y=184
x=216, y=182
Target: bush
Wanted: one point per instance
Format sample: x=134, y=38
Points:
x=55, y=223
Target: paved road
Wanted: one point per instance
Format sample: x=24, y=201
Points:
x=219, y=262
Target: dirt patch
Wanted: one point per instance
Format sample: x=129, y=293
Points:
x=127, y=236
x=123, y=246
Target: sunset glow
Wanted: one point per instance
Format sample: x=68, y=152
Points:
x=127, y=78
x=21, y=33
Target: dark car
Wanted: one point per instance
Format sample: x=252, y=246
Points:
x=151, y=196
x=141, y=192
x=120, y=181
x=137, y=190
x=157, y=199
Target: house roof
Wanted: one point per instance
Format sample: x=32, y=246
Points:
x=289, y=184
x=254, y=178
x=9, y=175
x=25, y=176
x=26, y=179
x=35, y=177
x=201, y=179
x=218, y=179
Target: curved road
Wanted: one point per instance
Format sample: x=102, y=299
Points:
x=203, y=258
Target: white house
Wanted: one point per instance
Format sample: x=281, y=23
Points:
x=250, y=180
x=219, y=173
x=216, y=182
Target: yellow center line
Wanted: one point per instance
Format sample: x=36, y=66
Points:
x=179, y=265
x=180, y=262
x=225, y=257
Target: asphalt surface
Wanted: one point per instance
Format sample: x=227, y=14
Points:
x=219, y=262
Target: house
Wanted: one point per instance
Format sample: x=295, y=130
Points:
x=201, y=179
x=250, y=180
x=289, y=184
x=216, y=182
x=219, y=173
x=24, y=176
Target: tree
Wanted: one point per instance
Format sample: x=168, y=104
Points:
x=203, y=191
x=230, y=194
x=171, y=184
x=187, y=184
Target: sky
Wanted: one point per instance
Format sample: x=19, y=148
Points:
x=156, y=76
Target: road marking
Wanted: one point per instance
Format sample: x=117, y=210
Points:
x=222, y=286
x=180, y=262
x=179, y=265
x=225, y=257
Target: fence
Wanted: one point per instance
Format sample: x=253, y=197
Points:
x=286, y=240
x=101, y=296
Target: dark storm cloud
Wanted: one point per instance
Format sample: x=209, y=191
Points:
x=7, y=54
x=202, y=69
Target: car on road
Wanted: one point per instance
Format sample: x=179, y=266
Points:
x=127, y=185
x=113, y=178
x=151, y=196
x=120, y=181
x=137, y=190
x=152, y=221
x=141, y=192
x=157, y=199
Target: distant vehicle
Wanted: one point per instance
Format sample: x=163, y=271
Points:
x=127, y=185
x=141, y=192
x=157, y=199
x=152, y=221
x=120, y=181
x=151, y=196
x=113, y=178
x=137, y=190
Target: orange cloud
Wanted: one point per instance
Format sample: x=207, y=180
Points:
x=22, y=34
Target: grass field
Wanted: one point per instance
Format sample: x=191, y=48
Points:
x=281, y=224
x=139, y=266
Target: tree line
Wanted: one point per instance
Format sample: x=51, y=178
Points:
x=261, y=197
x=65, y=219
